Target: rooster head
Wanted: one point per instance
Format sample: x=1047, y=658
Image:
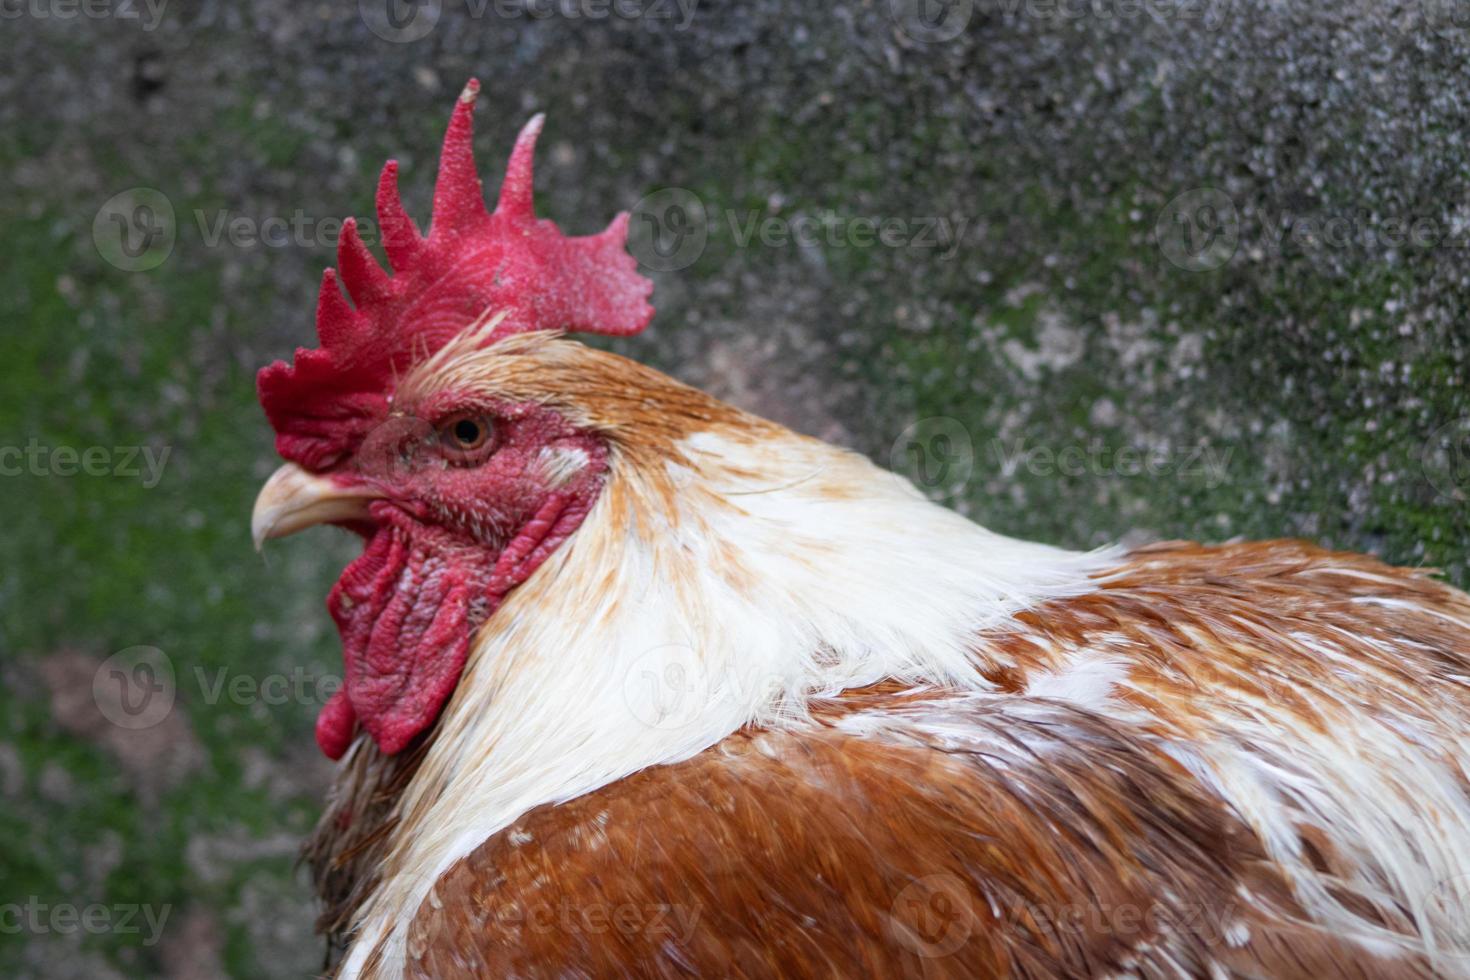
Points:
x=461, y=483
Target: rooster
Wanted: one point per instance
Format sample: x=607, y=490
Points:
x=638, y=684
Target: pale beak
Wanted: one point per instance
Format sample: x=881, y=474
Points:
x=293, y=500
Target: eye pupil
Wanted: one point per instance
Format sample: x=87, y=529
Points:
x=467, y=431
x=464, y=437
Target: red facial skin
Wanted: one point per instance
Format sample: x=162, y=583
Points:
x=457, y=529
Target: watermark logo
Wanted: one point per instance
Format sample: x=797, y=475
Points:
x=400, y=21
x=667, y=687
x=1446, y=460
x=135, y=688
x=1199, y=230
x=672, y=686
x=396, y=448
x=936, y=453
x=1450, y=903
x=668, y=230
x=1449, y=19
x=933, y=915
x=135, y=229
x=931, y=21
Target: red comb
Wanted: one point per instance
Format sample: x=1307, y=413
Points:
x=471, y=262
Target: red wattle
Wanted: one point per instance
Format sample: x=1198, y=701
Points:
x=335, y=724
x=408, y=608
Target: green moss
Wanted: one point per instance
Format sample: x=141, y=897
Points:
x=108, y=359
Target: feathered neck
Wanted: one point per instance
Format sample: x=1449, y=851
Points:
x=729, y=586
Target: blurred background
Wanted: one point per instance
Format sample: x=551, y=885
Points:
x=1087, y=270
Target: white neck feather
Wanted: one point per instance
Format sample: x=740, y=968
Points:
x=788, y=569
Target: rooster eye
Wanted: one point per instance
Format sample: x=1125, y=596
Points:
x=464, y=436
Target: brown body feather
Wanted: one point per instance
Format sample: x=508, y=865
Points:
x=1048, y=841
x=1059, y=846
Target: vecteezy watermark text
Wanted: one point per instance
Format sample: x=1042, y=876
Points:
x=405, y=21
x=936, y=915
x=136, y=230
x=130, y=462
x=1096, y=458
x=147, y=12
x=1203, y=229
x=295, y=230
x=137, y=688
x=676, y=922
x=939, y=455
x=671, y=228
x=297, y=687
x=936, y=21
x=64, y=918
